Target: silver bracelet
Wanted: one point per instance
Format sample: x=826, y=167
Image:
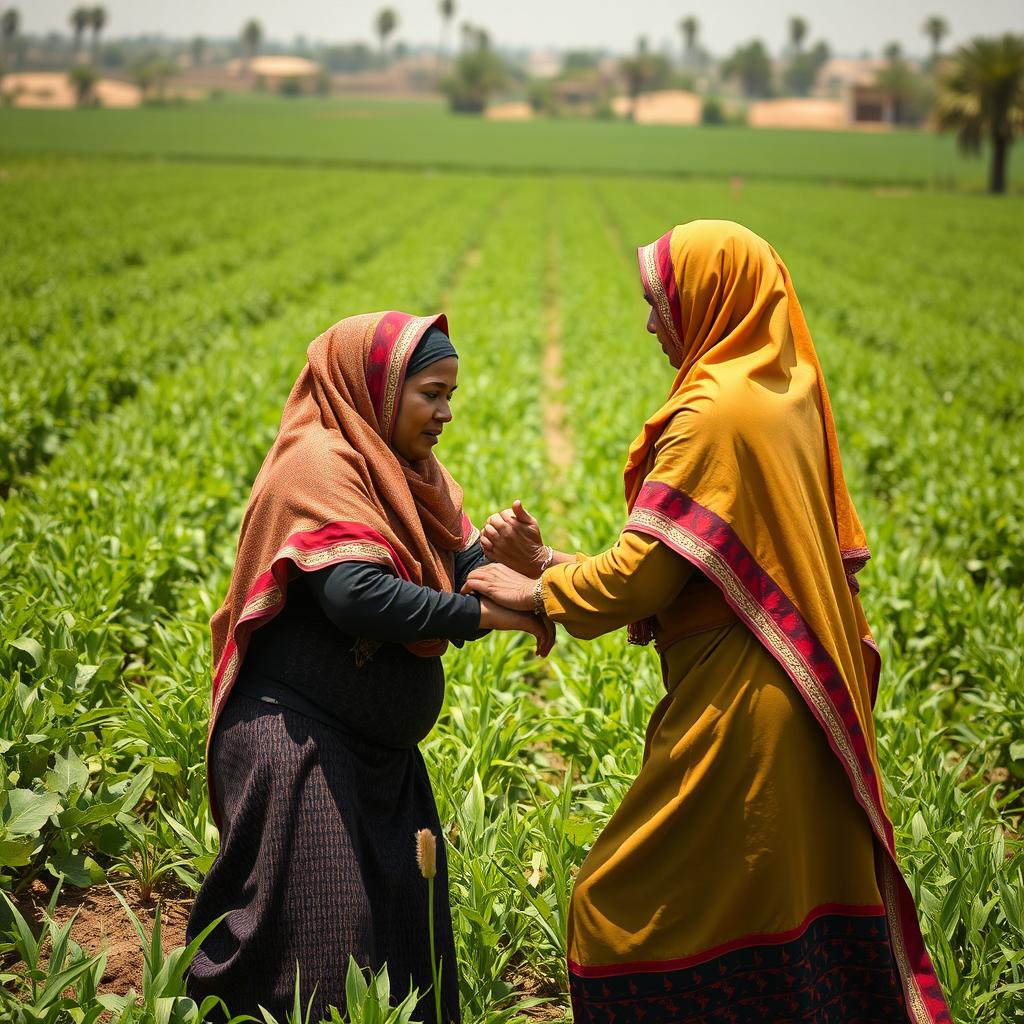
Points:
x=547, y=561
x=538, y=600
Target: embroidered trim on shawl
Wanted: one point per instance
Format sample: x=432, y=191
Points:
x=648, y=258
x=260, y=603
x=854, y=559
x=226, y=682
x=363, y=551
x=396, y=368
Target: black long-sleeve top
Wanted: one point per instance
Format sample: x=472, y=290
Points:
x=363, y=599
x=334, y=652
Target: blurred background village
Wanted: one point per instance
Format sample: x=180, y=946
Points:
x=808, y=83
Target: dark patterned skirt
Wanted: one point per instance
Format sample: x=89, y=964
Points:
x=317, y=863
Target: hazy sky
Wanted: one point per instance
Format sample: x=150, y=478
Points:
x=848, y=27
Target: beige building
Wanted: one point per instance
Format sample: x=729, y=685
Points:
x=52, y=90
x=274, y=70
x=668, y=106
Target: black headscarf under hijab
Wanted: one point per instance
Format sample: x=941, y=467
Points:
x=433, y=346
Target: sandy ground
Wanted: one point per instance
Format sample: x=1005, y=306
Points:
x=102, y=924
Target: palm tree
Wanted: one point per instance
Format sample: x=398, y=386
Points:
x=752, y=66
x=83, y=78
x=797, y=32
x=386, y=22
x=81, y=19
x=252, y=36
x=9, y=23
x=197, y=49
x=936, y=29
x=447, y=9
x=982, y=98
x=893, y=52
x=97, y=19
x=689, y=27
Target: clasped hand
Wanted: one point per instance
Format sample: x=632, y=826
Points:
x=512, y=541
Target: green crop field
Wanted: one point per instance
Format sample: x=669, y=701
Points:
x=424, y=135
x=153, y=317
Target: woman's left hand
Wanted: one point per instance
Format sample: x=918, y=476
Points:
x=512, y=537
x=502, y=585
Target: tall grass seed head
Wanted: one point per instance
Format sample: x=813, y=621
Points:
x=426, y=852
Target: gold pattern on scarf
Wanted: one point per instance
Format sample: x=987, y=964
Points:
x=222, y=691
x=261, y=603
x=656, y=288
x=396, y=363
x=364, y=550
x=914, y=1001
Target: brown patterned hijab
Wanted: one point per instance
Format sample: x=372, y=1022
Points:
x=331, y=489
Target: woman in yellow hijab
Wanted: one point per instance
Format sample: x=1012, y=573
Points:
x=750, y=872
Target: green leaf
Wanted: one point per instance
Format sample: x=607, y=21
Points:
x=133, y=792
x=16, y=853
x=68, y=773
x=919, y=827
x=84, y=674
x=580, y=831
x=31, y=647
x=355, y=985
x=77, y=868
x=28, y=811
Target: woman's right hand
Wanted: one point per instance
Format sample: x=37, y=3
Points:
x=497, y=616
x=512, y=537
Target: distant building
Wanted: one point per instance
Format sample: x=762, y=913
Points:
x=667, y=106
x=543, y=63
x=798, y=112
x=274, y=70
x=52, y=90
x=838, y=75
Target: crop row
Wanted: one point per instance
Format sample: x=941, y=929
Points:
x=116, y=552
x=100, y=547
x=951, y=717
x=107, y=345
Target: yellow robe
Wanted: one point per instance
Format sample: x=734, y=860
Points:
x=741, y=822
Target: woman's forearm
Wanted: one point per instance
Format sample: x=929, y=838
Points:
x=635, y=579
x=560, y=557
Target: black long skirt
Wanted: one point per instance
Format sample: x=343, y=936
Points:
x=317, y=863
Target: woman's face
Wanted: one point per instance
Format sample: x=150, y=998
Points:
x=656, y=327
x=424, y=408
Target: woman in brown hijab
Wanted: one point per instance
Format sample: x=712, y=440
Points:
x=327, y=674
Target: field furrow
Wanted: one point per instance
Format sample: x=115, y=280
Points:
x=153, y=317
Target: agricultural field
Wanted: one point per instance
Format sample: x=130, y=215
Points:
x=153, y=317
x=365, y=133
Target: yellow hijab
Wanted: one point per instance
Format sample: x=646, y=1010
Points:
x=739, y=472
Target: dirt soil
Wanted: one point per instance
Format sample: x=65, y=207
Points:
x=102, y=924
